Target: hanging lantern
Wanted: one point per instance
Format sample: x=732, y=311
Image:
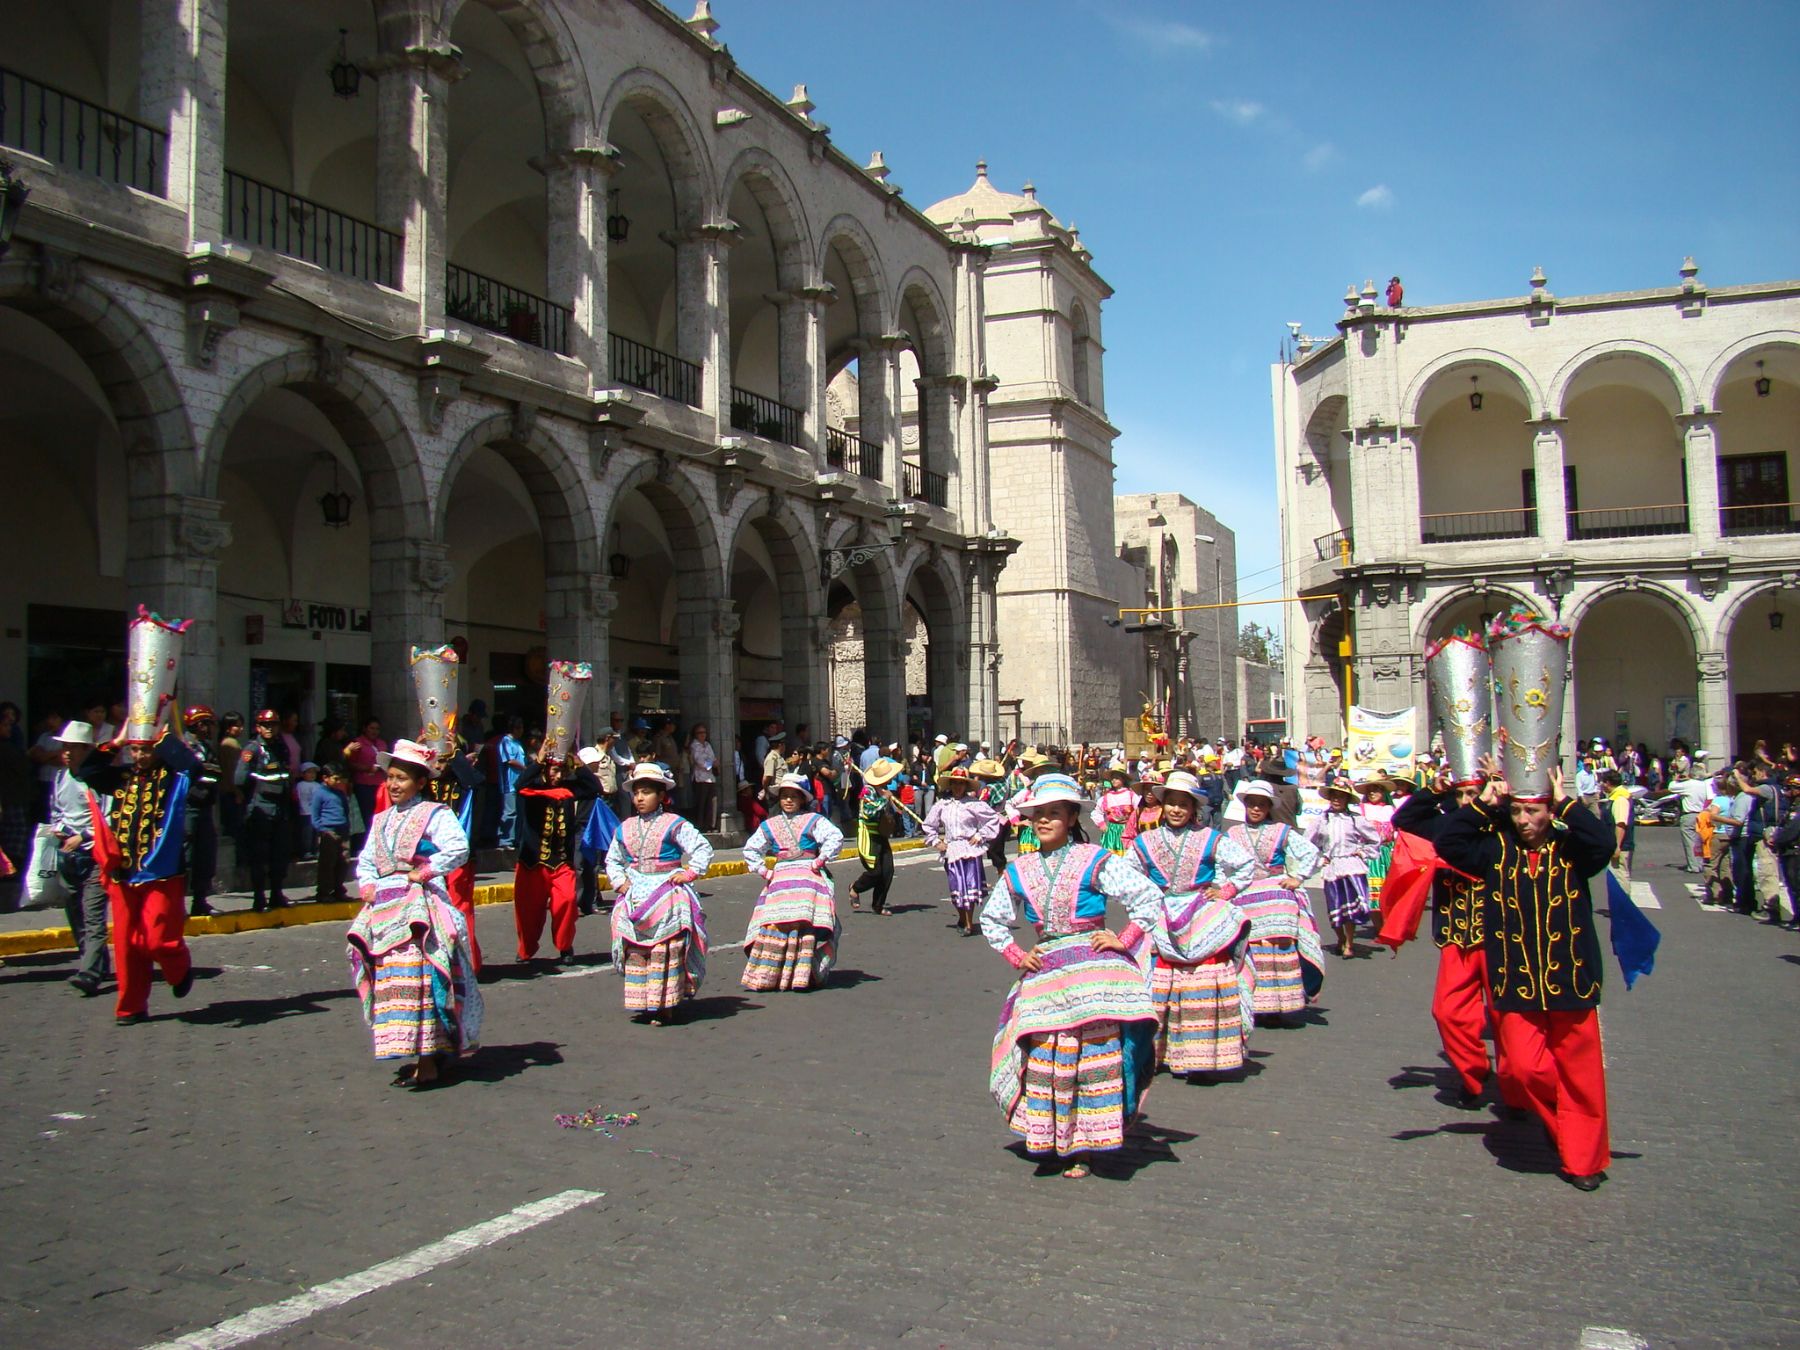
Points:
x=1475, y=393
x=1763, y=384
x=335, y=505
x=618, y=224
x=345, y=77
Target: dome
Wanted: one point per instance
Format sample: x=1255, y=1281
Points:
x=984, y=205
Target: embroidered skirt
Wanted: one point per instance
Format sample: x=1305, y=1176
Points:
x=1112, y=838
x=1278, y=985
x=788, y=956
x=1200, y=1026
x=1074, y=1091
x=1348, y=898
x=1378, y=870
x=407, y=1023
x=966, y=878
x=656, y=978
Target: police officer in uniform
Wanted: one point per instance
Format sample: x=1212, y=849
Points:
x=267, y=779
x=202, y=809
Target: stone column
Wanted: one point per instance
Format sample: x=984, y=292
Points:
x=172, y=566
x=703, y=313
x=575, y=199
x=1185, y=689
x=577, y=611
x=407, y=579
x=1718, y=729
x=805, y=679
x=706, y=629
x=181, y=88
x=1701, y=447
x=802, y=345
x=1547, y=471
x=884, y=681
x=412, y=140
x=878, y=416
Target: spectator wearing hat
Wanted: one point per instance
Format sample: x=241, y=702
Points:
x=960, y=825
x=658, y=926
x=794, y=934
x=72, y=821
x=266, y=778
x=1346, y=840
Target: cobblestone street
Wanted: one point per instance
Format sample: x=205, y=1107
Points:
x=827, y=1168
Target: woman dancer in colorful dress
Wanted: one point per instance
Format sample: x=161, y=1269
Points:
x=960, y=826
x=1377, y=808
x=1114, y=807
x=1345, y=840
x=1147, y=814
x=1202, y=983
x=409, y=949
x=658, y=927
x=1284, y=938
x=794, y=934
x=992, y=785
x=1075, y=1050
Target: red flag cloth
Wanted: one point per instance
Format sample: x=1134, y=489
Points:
x=1407, y=888
x=108, y=856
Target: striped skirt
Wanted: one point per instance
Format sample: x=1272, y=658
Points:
x=656, y=978
x=786, y=956
x=1378, y=870
x=1200, y=1026
x=1074, y=1086
x=1278, y=985
x=1348, y=898
x=406, y=1022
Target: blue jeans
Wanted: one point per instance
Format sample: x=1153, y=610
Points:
x=509, y=819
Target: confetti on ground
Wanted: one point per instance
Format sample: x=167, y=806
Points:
x=596, y=1119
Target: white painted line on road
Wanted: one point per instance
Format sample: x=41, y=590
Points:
x=273, y=1317
x=1611, y=1338
x=1643, y=896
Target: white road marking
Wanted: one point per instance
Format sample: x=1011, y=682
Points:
x=273, y=1317
x=1611, y=1338
x=1643, y=896
x=1697, y=891
x=67, y=1115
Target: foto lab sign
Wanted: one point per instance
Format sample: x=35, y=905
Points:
x=317, y=618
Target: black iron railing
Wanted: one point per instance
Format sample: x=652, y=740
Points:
x=500, y=308
x=1448, y=527
x=266, y=216
x=655, y=372
x=924, y=485
x=1762, y=518
x=852, y=453
x=44, y=121
x=1627, y=522
x=1334, y=547
x=765, y=417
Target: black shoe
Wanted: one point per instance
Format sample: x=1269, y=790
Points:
x=279, y=901
x=85, y=985
x=1590, y=1182
x=259, y=906
x=131, y=1019
x=566, y=958
x=200, y=909
x=184, y=986
x=1468, y=1101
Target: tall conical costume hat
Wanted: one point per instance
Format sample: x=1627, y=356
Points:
x=150, y=672
x=1460, y=683
x=436, y=672
x=569, y=682
x=1531, y=660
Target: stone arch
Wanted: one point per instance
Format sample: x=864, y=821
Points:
x=360, y=413
x=1713, y=382
x=1587, y=600
x=685, y=514
x=1502, y=595
x=768, y=182
x=557, y=491
x=920, y=289
x=677, y=135
x=1683, y=383
x=863, y=260
x=783, y=532
x=1457, y=361
x=1628, y=671
x=131, y=370
x=1743, y=593
x=549, y=47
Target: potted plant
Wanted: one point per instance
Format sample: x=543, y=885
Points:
x=743, y=415
x=770, y=429
x=521, y=323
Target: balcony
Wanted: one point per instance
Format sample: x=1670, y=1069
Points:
x=852, y=453
x=1455, y=527
x=1335, y=547
x=1738, y=522
x=652, y=371
x=78, y=135
x=921, y=484
x=269, y=217
x=506, y=310
x=1628, y=522
x=765, y=417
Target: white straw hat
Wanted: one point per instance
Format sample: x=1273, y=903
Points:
x=793, y=782
x=77, y=733
x=410, y=752
x=651, y=772
x=1050, y=788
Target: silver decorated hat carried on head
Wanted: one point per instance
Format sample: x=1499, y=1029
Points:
x=435, y=674
x=569, y=681
x=150, y=672
x=1530, y=655
x=1460, y=684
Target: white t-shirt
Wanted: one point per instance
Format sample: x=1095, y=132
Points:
x=1695, y=794
x=700, y=755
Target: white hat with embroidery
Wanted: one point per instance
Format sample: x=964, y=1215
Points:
x=794, y=782
x=649, y=771
x=1051, y=788
x=410, y=753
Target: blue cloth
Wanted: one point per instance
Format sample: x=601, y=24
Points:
x=868, y=757
x=1634, y=938
x=164, y=859
x=330, y=810
x=597, y=838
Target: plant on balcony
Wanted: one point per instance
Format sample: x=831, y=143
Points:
x=770, y=429
x=521, y=322
x=743, y=415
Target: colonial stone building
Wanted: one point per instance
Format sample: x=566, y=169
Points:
x=1623, y=461
x=353, y=324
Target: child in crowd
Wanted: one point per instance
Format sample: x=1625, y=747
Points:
x=330, y=821
x=304, y=793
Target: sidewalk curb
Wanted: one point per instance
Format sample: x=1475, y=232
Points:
x=32, y=941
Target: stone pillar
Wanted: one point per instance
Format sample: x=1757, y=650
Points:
x=407, y=579
x=1718, y=729
x=577, y=609
x=181, y=88
x=970, y=484
x=575, y=201
x=412, y=140
x=802, y=346
x=884, y=681
x=1184, y=697
x=1547, y=470
x=172, y=566
x=706, y=629
x=1701, y=448
x=703, y=313
x=805, y=678
x=878, y=390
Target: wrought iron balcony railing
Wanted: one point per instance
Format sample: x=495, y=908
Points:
x=653, y=371
x=852, y=454
x=1448, y=527
x=42, y=120
x=765, y=417
x=925, y=485
x=504, y=309
x=1762, y=518
x=265, y=216
x=1627, y=522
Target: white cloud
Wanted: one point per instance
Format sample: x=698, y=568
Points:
x=1378, y=198
x=1318, y=157
x=1243, y=111
x=1165, y=35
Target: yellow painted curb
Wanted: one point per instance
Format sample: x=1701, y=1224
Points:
x=297, y=915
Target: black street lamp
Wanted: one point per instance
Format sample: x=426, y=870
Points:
x=13, y=193
x=1763, y=384
x=1475, y=394
x=618, y=224
x=335, y=505
x=345, y=77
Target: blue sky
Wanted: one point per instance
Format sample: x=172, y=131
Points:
x=1235, y=166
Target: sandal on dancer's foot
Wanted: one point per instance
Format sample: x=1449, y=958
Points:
x=404, y=1076
x=1076, y=1171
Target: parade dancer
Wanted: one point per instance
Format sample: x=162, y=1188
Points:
x=1377, y=807
x=1202, y=982
x=1075, y=1050
x=794, y=935
x=1284, y=939
x=1114, y=807
x=1146, y=814
x=410, y=954
x=875, y=813
x=995, y=787
x=1346, y=841
x=961, y=826
x=138, y=836
x=658, y=928
x=551, y=791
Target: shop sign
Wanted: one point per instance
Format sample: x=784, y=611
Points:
x=304, y=614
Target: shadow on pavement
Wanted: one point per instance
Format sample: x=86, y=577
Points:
x=496, y=1063
x=1790, y=958
x=849, y=979
x=256, y=1012
x=717, y=1007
